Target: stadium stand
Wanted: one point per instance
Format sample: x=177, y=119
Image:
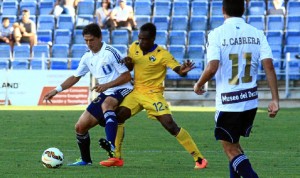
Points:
x=40, y=57
x=177, y=37
x=59, y=58
x=162, y=8
x=199, y=8
x=198, y=22
x=181, y=8
x=5, y=56
x=120, y=37
x=21, y=57
x=179, y=23
x=257, y=8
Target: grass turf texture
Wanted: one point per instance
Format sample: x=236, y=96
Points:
x=148, y=150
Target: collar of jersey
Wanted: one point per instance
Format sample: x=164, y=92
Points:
x=234, y=19
x=152, y=49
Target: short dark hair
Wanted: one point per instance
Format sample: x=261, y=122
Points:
x=92, y=29
x=149, y=27
x=234, y=8
x=5, y=18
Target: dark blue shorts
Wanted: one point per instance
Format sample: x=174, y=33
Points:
x=230, y=126
x=95, y=106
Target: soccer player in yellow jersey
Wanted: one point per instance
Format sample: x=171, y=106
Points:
x=150, y=62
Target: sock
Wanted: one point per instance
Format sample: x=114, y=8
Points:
x=188, y=143
x=232, y=172
x=119, y=140
x=242, y=166
x=111, y=126
x=83, y=142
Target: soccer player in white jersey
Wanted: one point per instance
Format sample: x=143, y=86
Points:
x=234, y=51
x=113, y=77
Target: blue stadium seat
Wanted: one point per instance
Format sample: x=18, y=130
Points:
x=276, y=51
x=275, y=22
x=134, y=35
x=292, y=22
x=45, y=7
x=215, y=21
x=199, y=8
x=292, y=37
x=161, y=37
x=275, y=37
x=142, y=8
x=198, y=22
x=177, y=37
x=77, y=37
x=45, y=22
x=179, y=23
x=59, y=60
x=216, y=8
x=196, y=53
x=62, y=36
x=293, y=63
x=29, y=5
x=293, y=8
x=196, y=37
x=77, y=50
x=178, y=51
x=122, y=48
x=258, y=21
x=21, y=56
x=181, y=8
x=65, y=21
x=141, y=20
x=120, y=37
x=86, y=7
x=10, y=7
x=162, y=8
x=256, y=8
x=40, y=57
x=5, y=56
x=105, y=35
x=44, y=36
x=161, y=22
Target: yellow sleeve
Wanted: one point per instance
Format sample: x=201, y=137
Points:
x=169, y=60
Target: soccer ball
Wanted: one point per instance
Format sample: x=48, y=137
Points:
x=52, y=158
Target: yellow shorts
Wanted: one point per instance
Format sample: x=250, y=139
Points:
x=154, y=103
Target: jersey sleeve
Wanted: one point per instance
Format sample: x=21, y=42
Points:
x=265, y=50
x=213, y=48
x=169, y=60
x=82, y=68
x=115, y=58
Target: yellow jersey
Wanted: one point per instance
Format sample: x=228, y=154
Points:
x=150, y=69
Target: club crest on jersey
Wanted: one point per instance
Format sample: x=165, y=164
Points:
x=152, y=58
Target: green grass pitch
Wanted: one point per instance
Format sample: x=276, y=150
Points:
x=148, y=150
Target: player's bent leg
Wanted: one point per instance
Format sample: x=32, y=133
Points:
x=184, y=138
x=85, y=122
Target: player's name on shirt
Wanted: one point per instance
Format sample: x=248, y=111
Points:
x=241, y=41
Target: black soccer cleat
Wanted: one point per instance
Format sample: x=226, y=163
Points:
x=106, y=145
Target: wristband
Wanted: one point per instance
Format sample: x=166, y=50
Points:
x=58, y=89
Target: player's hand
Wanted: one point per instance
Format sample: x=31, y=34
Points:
x=199, y=90
x=273, y=108
x=49, y=96
x=99, y=88
x=126, y=60
x=187, y=66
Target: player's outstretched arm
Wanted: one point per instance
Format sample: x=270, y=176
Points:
x=273, y=106
x=69, y=82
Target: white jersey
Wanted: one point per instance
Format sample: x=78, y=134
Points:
x=105, y=66
x=240, y=48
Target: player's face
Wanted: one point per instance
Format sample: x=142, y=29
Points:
x=146, y=41
x=93, y=43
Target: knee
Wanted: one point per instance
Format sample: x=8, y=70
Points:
x=123, y=114
x=80, y=129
